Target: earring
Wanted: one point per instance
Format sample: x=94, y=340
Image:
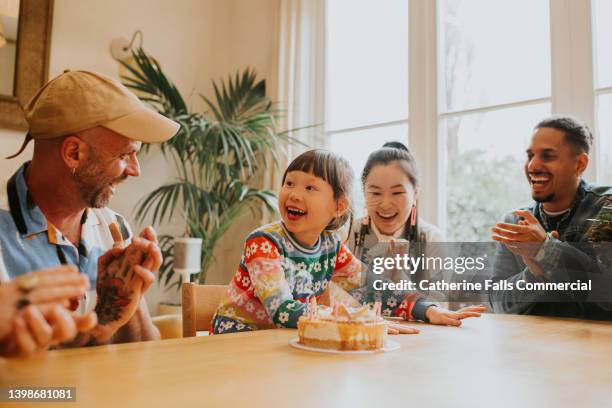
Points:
x=73, y=171
x=413, y=216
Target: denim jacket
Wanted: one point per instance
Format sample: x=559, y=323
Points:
x=562, y=260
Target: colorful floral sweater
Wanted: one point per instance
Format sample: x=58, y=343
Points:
x=277, y=276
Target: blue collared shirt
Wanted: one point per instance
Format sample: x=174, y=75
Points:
x=29, y=242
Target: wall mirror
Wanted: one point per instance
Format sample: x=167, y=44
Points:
x=25, y=35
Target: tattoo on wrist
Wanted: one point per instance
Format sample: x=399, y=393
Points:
x=113, y=296
x=114, y=291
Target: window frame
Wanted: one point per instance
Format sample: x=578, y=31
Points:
x=573, y=92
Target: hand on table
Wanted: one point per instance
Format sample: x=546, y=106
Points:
x=437, y=315
x=399, y=328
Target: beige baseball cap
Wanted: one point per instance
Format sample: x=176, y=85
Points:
x=79, y=100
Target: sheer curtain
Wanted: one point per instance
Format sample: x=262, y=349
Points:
x=301, y=77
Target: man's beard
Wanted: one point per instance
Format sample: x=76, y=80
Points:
x=94, y=185
x=546, y=199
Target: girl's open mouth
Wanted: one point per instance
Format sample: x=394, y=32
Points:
x=294, y=213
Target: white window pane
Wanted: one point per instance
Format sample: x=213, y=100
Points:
x=602, y=35
x=604, y=134
x=493, y=52
x=357, y=146
x=484, y=177
x=367, y=62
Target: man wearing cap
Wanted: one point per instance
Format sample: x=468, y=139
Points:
x=87, y=129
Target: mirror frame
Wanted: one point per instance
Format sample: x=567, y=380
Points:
x=31, y=60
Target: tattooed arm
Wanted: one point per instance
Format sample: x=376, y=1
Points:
x=138, y=328
x=124, y=275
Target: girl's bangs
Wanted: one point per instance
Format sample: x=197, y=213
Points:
x=315, y=162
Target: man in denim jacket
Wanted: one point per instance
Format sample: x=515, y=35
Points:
x=542, y=243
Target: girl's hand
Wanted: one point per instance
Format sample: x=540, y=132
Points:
x=398, y=328
x=437, y=315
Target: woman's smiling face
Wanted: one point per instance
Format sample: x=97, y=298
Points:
x=389, y=197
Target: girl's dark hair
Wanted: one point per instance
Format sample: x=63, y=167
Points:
x=335, y=170
x=390, y=152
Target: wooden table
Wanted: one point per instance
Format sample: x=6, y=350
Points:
x=509, y=361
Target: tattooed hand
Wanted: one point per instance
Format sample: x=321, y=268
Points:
x=124, y=275
x=147, y=241
x=118, y=287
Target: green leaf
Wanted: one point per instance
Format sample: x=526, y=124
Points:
x=215, y=154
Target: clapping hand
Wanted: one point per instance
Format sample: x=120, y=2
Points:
x=124, y=275
x=33, y=312
x=39, y=327
x=522, y=238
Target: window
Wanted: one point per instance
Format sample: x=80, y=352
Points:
x=483, y=73
x=602, y=37
x=367, y=79
x=492, y=93
x=604, y=133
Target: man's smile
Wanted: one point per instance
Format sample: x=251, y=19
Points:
x=539, y=181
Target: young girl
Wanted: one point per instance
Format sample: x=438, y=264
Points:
x=287, y=262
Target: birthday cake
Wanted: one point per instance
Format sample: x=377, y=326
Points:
x=342, y=328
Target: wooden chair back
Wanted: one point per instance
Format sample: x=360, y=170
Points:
x=199, y=305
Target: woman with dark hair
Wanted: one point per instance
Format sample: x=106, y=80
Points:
x=390, y=184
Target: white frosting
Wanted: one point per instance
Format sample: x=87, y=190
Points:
x=358, y=314
x=350, y=326
x=327, y=331
x=322, y=332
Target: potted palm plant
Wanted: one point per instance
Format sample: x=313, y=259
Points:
x=215, y=154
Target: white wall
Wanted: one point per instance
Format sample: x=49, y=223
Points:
x=246, y=31
x=194, y=41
